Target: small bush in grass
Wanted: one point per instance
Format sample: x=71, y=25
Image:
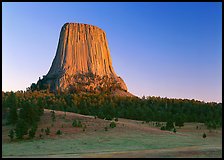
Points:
x=40, y=135
x=163, y=128
x=11, y=134
x=77, y=123
x=116, y=119
x=204, y=135
x=169, y=125
x=112, y=124
x=174, y=130
x=32, y=132
x=105, y=128
x=47, y=131
x=59, y=132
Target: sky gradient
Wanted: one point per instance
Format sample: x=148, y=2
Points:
x=169, y=49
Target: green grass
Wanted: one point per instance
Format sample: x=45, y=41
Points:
x=105, y=143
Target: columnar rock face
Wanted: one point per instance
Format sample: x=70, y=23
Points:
x=82, y=48
x=82, y=60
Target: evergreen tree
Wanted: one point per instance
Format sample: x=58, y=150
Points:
x=11, y=103
x=21, y=128
x=29, y=113
x=169, y=125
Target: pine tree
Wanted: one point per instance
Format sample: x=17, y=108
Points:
x=11, y=103
x=21, y=129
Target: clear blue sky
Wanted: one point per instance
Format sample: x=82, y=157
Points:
x=169, y=49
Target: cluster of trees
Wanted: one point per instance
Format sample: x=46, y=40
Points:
x=22, y=114
x=104, y=106
x=86, y=82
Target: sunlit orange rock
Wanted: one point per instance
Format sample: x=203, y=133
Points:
x=82, y=53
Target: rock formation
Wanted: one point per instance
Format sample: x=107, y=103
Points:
x=82, y=62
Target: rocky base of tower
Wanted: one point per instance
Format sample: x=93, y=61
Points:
x=86, y=83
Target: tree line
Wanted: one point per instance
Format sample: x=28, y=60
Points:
x=31, y=104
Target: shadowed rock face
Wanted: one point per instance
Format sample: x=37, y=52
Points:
x=82, y=60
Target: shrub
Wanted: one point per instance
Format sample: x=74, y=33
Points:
x=32, y=131
x=11, y=134
x=112, y=124
x=47, y=131
x=169, y=125
x=163, y=128
x=59, y=132
x=204, y=135
x=116, y=119
x=174, y=130
x=105, y=128
x=77, y=123
x=40, y=135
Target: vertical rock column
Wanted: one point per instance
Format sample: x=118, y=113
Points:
x=81, y=49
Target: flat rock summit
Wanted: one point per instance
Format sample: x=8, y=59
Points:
x=82, y=63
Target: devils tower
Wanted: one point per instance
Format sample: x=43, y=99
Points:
x=82, y=63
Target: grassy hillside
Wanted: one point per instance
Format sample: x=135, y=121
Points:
x=130, y=138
